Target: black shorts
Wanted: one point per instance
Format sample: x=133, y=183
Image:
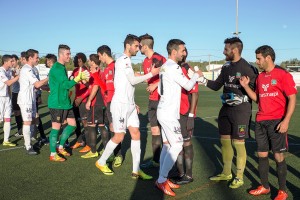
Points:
x=152, y=113
x=234, y=121
x=108, y=113
x=80, y=112
x=96, y=115
x=183, y=126
x=268, y=138
x=59, y=116
x=14, y=101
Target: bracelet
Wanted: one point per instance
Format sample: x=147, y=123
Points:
x=191, y=115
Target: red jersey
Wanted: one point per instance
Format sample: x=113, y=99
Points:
x=272, y=88
x=186, y=95
x=95, y=79
x=108, y=76
x=147, y=65
x=80, y=88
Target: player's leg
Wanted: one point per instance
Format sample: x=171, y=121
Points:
x=5, y=110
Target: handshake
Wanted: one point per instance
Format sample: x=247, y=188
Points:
x=82, y=75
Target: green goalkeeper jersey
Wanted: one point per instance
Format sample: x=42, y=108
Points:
x=59, y=87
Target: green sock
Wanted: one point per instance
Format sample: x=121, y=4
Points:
x=227, y=155
x=66, y=134
x=53, y=140
x=240, y=158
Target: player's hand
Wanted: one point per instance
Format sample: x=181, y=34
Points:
x=151, y=88
x=244, y=81
x=137, y=109
x=82, y=75
x=154, y=71
x=283, y=127
x=78, y=101
x=190, y=124
x=88, y=105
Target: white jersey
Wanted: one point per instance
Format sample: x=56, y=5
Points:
x=27, y=94
x=169, y=88
x=5, y=75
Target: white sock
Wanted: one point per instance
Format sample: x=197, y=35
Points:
x=109, y=149
x=136, y=155
x=164, y=150
x=170, y=159
x=26, y=135
x=60, y=147
x=52, y=153
x=6, y=130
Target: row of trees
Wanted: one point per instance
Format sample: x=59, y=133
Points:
x=138, y=66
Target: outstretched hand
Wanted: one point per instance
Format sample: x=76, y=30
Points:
x=244, y=81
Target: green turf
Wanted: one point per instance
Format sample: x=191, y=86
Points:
x=34, y=177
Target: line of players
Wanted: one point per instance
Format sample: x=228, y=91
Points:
x=172, y=105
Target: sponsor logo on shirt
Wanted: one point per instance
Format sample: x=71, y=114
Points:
x=29, y=110
x=231, y=78
x=265, y=87
x=232, y=85
x=273, y=82
x=238, y=75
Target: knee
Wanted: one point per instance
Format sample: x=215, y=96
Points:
x=118, y=137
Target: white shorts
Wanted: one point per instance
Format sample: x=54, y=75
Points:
x=123, y=116
x=28, y=111
x=5, y=108
x=170, y=129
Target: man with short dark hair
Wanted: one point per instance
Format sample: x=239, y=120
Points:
x=105, y=56
x=274, y=86
x=15, y=88
x=172, y=80
x=6, y=80
x=156, y=60
x=29, y=83
x=235, y=114
x=50, y=59
x=79, y=109
x=59, y=102
x=123, y=108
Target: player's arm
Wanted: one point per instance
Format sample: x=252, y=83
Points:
x=284, y=124
x=184, y=82
x=40, y=83
x=138, y=79
x=12, y=81
x=92, y=96
x=245, y=83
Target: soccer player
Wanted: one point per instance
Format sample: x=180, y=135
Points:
x=274, y=86
x=172, y=80
x=123, y=108
x=15, y=88
x=152, y=59
x=105, y=56
x=59, y=102
x=79, y=104
x=50, y=60
x=188, y=106
x=95, y=106
x=7, y=79
x=235, y=114
x=29, y=83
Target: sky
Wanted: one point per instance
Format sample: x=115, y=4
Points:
x=202, y=24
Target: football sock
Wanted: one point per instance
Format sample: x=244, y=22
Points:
x=6, y=130
x=117, y=151
x=263, y=169
x=179, y=163
x=104, y=135
x=241, y=158
x=282, y=172
x=53, y=140
x=156, y=147
x=136, y=155
x=41, y=128
x=26, y=135
x=66, y=134
x=109, y=149
x=91, y=138
x=19, y=122
x=227, y=155
x=188, y=159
